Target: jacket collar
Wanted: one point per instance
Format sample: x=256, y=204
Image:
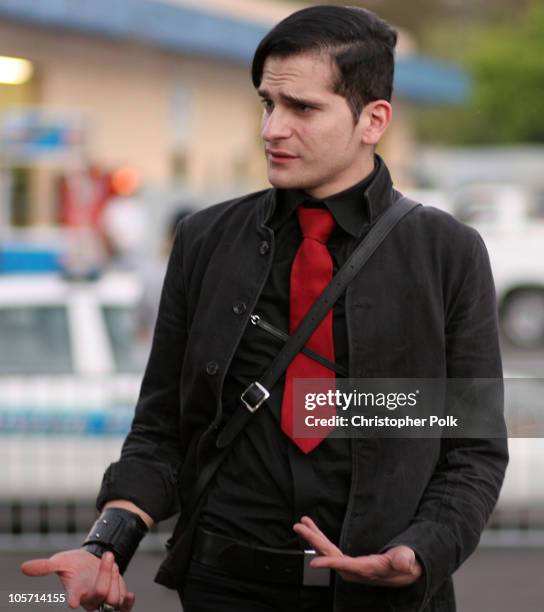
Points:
x=375, y=198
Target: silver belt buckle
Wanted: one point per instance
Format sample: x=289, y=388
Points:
x=314, y=576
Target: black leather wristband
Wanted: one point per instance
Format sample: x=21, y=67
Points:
x=119, y=531
x=96, y=549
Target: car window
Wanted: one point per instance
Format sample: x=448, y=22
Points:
x=122, y=324
x=35, y=340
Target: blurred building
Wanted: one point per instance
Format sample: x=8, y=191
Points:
x=162, y=86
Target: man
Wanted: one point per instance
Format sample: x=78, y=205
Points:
x=392, y=518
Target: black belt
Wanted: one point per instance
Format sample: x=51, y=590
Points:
x=257, y=563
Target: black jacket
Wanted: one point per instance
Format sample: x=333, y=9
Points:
x=422, y=307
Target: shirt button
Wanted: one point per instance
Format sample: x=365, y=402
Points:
x=239, y=308
x=212, y=367
x=264, y=247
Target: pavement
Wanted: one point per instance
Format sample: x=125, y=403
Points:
x=492, y=580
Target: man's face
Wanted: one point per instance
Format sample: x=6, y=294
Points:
x=311, y=141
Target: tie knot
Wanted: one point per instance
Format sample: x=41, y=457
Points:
x=315, y=223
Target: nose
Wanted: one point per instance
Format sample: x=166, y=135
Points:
x=275, y=126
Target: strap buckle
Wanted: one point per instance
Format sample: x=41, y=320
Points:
x=314, y=576
x=254, y=396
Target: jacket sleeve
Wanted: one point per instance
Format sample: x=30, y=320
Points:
x=465, y=485
x=150, y=457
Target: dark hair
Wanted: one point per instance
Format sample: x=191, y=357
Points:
x=361, y=45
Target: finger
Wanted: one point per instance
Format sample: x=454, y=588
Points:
x=38, y=567
x=310, y=531
x=128, y=602
x=102, y=583
x=396, y=581
x=88, y=601
x=314, y=541
x=112, y=597
x=403, y=559
x=370, y=567
x=122, y=591
x=306, y=520
x=86, y=606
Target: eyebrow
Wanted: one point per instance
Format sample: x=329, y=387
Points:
x=291, y=99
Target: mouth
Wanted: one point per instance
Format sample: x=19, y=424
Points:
x=278, y=156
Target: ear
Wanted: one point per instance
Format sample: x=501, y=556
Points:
x=374, y=119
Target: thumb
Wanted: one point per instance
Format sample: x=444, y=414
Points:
x=402, y=559
x=38, y=567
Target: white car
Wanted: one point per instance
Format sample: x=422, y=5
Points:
x=70, y=369
x=511, y=222
x=510, y=219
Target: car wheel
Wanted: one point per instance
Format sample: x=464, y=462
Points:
x=522, y=318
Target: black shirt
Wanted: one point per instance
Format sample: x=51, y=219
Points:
x=266, y=483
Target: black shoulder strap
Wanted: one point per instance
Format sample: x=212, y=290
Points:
x=319, y=309
x=241, y=416
x=298, y=339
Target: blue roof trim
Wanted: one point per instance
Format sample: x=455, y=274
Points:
x=169, y=26
x=184, y=29
x=425, y=80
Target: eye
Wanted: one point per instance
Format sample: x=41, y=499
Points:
x=267, y=104
x=303, y=108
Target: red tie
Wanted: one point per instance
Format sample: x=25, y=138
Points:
x=311, y=272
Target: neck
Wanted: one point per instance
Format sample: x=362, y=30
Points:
x=344, y=182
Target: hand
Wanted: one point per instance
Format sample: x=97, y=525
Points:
x=396, y=567
x=87, y=580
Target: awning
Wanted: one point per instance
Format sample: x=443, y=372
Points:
x=187, y=30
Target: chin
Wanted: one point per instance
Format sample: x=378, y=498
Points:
x=285, y=182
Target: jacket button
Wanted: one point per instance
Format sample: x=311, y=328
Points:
x=212, y=367
x=239, y=308
x=264, y=247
